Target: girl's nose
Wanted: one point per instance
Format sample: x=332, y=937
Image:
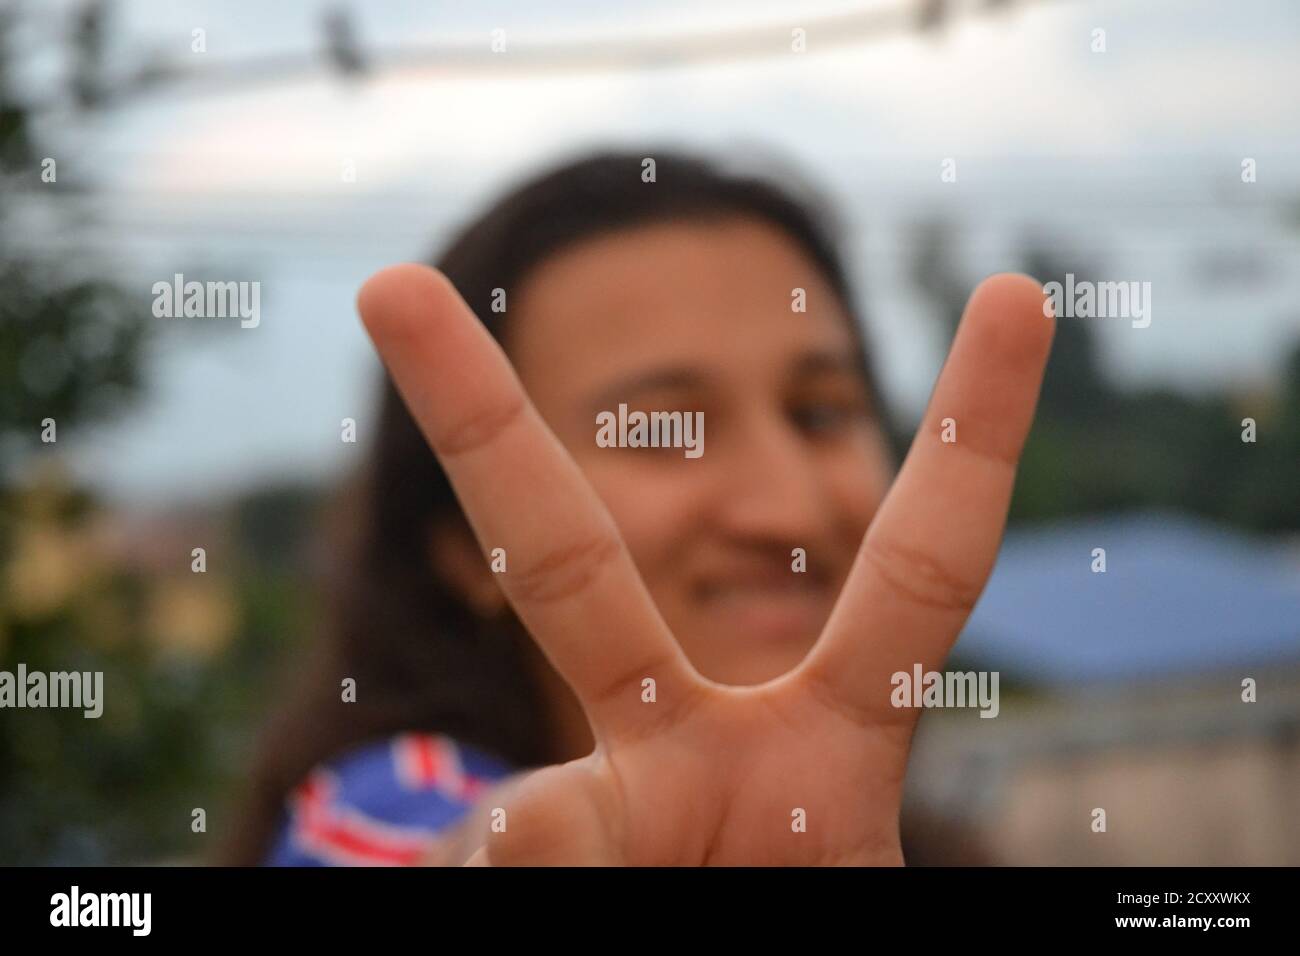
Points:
x=773, y=491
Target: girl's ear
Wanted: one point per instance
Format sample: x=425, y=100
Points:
x=456, y=558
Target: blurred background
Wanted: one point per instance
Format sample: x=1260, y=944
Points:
x=309, y=143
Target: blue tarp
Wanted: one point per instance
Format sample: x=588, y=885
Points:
x=1178, y=596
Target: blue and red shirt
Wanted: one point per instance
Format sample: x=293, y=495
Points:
x=383, y=804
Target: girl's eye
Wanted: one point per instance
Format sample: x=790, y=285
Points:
x=823, y=417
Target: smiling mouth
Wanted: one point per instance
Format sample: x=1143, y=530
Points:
x=783, y=606
x=790, y=586
x=762, y=580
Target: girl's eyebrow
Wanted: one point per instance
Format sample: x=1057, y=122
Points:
x=682, y=377
x=820, y=361
x=688, y=377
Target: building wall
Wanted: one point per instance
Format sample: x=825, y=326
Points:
x=1186, y=772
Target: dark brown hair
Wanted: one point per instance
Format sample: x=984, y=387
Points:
x=422, y=660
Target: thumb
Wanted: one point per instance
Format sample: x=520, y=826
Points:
x=558, y=816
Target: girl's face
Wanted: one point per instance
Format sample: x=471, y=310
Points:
x=697, y=317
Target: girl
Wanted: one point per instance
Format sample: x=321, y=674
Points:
x=564, y=652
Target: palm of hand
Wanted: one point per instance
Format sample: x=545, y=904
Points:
x=806, y=769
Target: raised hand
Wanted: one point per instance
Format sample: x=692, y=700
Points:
x=805, y=769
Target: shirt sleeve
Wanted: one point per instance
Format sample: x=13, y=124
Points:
x=383, y=804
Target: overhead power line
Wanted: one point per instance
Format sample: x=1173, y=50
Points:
x=343, y=53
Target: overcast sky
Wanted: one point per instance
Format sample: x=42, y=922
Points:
x=1129, y=159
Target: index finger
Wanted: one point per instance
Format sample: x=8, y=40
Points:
x=568, y=573
x=930, y=549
